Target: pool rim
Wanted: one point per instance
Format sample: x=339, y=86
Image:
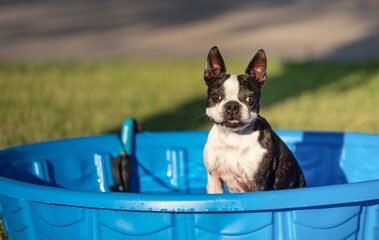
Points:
x=341, y=194
x=320, y=196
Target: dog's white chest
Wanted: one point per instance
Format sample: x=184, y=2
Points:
x=233, y=158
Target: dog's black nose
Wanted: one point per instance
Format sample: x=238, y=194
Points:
x=232, y=107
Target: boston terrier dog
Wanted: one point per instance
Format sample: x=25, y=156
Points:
x=242, y=151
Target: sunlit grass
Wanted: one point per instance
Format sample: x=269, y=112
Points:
x=67, y=99
x=324, y=96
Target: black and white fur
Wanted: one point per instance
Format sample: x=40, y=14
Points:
x=242, y=151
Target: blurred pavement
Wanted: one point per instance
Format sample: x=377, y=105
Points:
x=99, y=29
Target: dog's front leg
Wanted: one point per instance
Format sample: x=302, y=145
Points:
x=214, y=184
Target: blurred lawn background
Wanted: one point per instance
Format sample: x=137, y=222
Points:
x=46, y=101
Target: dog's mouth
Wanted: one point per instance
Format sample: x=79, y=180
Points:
x=232, y=123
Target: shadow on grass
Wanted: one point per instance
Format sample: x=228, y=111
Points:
x=188, y=116
x=299, y=78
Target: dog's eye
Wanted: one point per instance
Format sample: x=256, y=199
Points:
x=250, y=99
x=216, y=98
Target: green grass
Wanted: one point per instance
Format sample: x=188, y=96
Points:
x=3, y=236
x=323, y=96
x=45, y=101
x=49, y=101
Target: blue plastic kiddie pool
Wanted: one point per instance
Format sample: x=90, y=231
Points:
x=60, y=190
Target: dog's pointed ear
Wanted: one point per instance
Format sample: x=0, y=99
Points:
x=215, y=64
x=257, y=67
